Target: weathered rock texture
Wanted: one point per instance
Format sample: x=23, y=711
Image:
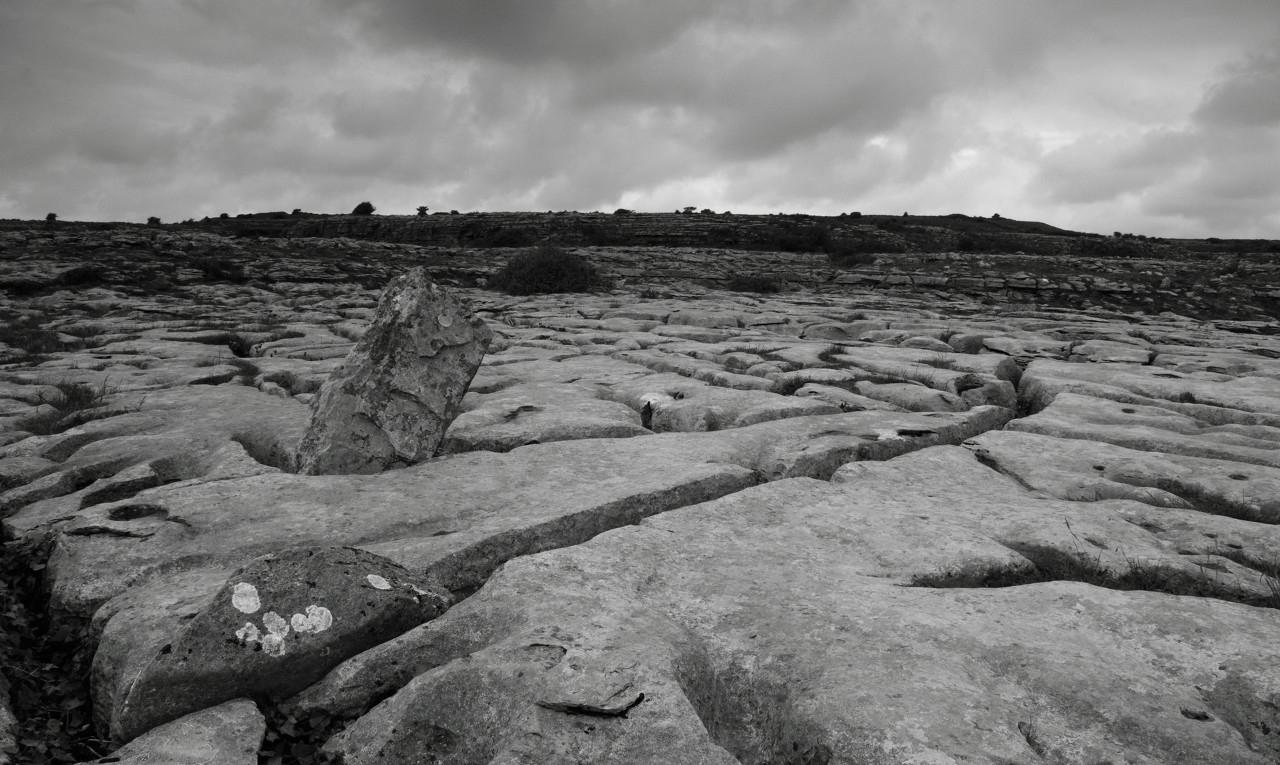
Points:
x=870, y=520
x=226, y=734
x=274, y=628
x=391, y=401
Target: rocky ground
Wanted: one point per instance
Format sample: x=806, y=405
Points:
x=672, y=524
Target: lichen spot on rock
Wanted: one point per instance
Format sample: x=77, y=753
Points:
x=245, y=598
x=248, y=634
x=277, y=630
x=317, y=619
x=377, y=582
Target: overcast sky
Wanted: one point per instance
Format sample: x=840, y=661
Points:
x=1150, y=116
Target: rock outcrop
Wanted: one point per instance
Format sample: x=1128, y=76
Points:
x=845, y=522
x=390, y=402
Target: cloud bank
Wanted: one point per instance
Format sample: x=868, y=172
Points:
x=1121, y=115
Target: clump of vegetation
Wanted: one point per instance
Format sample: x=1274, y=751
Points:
x=364, y=208
x=848, y=253
x=46, y=664
x=221, y=270
x=753, y=283
x=68, y=407
x=30, y=342
x=82, y=276
x=547, y=269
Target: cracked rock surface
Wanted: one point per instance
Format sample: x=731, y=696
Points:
x=826, y=525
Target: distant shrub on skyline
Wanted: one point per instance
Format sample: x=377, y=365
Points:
x=364, y=208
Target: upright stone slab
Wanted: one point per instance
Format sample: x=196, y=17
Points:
x=389, y=403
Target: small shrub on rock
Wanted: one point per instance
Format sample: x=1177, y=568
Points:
x=547, y=269
x=753, y=283
x=221, y=270
x=364, y=208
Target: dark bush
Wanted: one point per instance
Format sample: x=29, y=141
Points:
x=753, y=283
x=51, y=218
x=546, y=269
x=847, y=253
x=788, y=237
x=30, y=341
x=82, y=276
x=221, y=270
x=364, y=208
x=153, y=221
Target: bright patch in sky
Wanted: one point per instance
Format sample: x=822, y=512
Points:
x=1102, y=115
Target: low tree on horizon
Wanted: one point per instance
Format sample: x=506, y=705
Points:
x=364, y=208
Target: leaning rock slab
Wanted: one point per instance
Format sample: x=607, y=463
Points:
x=276, y=626
x=228, y=734
x=390, y=402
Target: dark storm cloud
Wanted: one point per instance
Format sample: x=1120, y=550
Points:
x=1215, y=171
x=1249, y=96
x=1078, y=113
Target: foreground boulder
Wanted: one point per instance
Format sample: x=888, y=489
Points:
x=228, y=734
x=276, y=626
x=392, y=399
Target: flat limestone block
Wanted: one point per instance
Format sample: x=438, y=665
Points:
x=1153, y=429
x=112, y=546
x=775, y=621
x=538, y=413
x=1210, y=396
x=1090, y=471
x=457, y=518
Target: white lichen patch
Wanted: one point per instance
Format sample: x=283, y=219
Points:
x=317, y=619
x=377, y=582
x=273, y=644
x=888, y=435
x=277, y=629
x=244, y=597
x=249, y=633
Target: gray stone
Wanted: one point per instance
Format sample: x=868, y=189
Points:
x=913, y=397
x=538, y=413
x=227, y=734
x=775, y=621
x=394, y=396
x=1090, y=471
x=1152, y=429
x=274, y=627
x=8, y=725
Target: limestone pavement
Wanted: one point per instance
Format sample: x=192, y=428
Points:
x=689, y=526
